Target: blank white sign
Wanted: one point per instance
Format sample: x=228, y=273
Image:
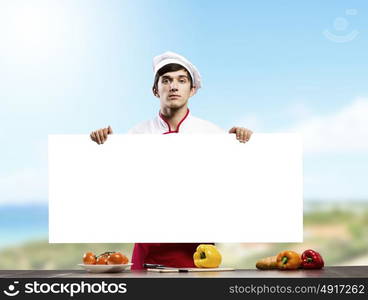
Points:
x=175, y=188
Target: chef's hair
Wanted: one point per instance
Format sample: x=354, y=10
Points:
x=169, y=68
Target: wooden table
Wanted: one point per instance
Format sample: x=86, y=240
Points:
x=327, y=272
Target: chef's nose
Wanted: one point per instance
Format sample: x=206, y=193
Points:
x=173, y=86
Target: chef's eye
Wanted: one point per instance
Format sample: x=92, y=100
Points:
x=182, y=81
x=165, y=80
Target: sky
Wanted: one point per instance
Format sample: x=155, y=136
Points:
x=70, y=67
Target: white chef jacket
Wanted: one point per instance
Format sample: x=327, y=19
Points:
x=189, y=124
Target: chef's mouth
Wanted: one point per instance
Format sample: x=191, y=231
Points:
x=174, y=96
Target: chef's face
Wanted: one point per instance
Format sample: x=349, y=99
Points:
x=174, y=89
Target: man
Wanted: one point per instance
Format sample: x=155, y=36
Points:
x=176, y=80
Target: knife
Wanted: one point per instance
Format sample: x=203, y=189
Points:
x=158, y=266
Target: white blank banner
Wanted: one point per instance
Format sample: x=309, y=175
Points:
x=175, y=188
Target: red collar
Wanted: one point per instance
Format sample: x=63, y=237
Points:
x=168, y=125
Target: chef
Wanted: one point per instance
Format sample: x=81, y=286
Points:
x=175, y=80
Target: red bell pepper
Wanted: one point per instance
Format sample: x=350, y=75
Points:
x=312, y=260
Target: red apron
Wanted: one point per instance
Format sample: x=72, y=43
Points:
x=179, y=255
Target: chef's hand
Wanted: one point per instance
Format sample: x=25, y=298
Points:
x=242, y=134
x=100, y=136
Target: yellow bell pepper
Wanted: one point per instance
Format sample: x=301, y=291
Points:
x=207, y=256
x=288, y=260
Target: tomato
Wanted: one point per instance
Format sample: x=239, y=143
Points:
x=89, y=258
x=125, y=259
x=102, y=259
x=117, y=258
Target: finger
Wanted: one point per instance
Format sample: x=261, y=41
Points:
x=109, y=130
x=246, y=138
x=232, y=130
x=97, y=137
x=246, y=135
x=91, y=136
x=94, y=138
x=238, y=132
x=100, y=134
x=242, y=135
x=249, y=134
x=105, y=132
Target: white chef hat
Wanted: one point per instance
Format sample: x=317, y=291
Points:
x=173, y=58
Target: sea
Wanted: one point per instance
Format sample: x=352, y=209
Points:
x=22, y=223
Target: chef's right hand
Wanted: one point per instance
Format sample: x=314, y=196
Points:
x=100, y=136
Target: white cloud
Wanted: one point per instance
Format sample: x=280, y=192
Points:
x=343, y=131
x=24, y=186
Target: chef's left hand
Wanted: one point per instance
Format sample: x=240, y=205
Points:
x=242, y=134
